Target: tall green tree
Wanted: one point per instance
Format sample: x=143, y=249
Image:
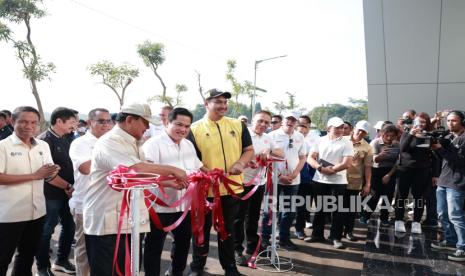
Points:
x=238, y=89
x=358, y=110
x=153, y=55
x=34, y=69
x=117, y=78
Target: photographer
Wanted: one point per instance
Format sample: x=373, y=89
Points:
x=418, y=170
x=451, y=186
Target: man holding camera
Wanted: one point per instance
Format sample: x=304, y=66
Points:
x=451, y=186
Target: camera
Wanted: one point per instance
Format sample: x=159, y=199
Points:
x=437, y=135
x=406, y=121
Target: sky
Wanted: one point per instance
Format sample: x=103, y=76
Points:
x=323, y=41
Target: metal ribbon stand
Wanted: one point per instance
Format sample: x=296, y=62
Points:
x=270, y=259
x=135, y=232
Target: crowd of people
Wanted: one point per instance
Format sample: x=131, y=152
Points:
x=60, y=177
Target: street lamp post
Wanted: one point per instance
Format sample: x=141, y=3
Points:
x=254, y=95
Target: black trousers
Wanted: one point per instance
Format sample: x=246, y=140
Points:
x=226, y=247
x=155, y=240
x=418, y=181
x=379, y=189
x=337, y=221
x=23, y=236
x=247, y=219
x=349, y=217
x=100, y=250
x=303, y=212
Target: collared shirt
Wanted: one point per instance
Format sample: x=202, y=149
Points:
x=333, y=151
x=5, y=132
x=293, y=149
x=154, y=130
x=23, y=201
x=162, y=150
x=102, y=204
x=363, y=157
x=59, y=148
x=219, y=144
x=80, y=152
x=260, y=143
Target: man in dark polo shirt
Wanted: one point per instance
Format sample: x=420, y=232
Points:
x=57, y=193
x=5, y=129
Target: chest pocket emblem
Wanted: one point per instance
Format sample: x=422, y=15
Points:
x=233, y=134
x=13, y=154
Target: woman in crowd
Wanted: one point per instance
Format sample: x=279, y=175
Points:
x=418, y=169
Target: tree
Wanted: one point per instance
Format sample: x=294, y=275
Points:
x=238, y=88
x=200, y=86
x=117, y=78
x=351, y=113
x=153, y=55
x=34, y=69
x=279, y=106
x=292, y=104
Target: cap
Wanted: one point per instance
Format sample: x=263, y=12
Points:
x=291, y=113
x=363, y=125
x=215, y=93
x=378, y=125
x=335, y=122
x=142, y=110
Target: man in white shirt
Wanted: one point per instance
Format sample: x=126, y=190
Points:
x=24, y=164
x=249, y=210
x=100, y=122
x=295, y=151
x=101, y=206
x=171, y=148
x=331, y=156
x=159, y=128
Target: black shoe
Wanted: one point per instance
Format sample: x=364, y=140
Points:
x=351, y=237
x=300, y=235
x=315, y=239
x=65, y=266
x=287, y=244
x=44, y=272
x=232, y=272
x=241, y=260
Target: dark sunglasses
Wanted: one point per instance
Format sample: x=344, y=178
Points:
x=275, y=122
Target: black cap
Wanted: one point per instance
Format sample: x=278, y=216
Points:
x=215, y=93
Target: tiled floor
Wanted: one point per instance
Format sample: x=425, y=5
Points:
x=388, y=253
x=378, y=252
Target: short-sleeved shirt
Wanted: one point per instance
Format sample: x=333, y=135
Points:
x=260, y=143
x=294, y=147
x=392, y=156
x=332, y=151
x=80, y=152
x=59, y=148
x=23, y=201
x=101, y=208
x=363, y=157
x=163, y=150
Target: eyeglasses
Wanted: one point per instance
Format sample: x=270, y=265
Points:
x=275, y=122
x=103, y=121
x=290, y=143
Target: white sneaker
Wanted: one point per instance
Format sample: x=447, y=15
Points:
x=416, y=228
x=399, y=226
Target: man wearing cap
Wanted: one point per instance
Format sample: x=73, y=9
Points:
x=358, y=174
x=295, y=152
x=331, y=156
x=222, y=143
x=101, y=206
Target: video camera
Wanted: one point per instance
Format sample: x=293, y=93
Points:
x=437, y=135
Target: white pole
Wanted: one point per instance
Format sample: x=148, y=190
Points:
x=274, y=212
x=135, y=233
